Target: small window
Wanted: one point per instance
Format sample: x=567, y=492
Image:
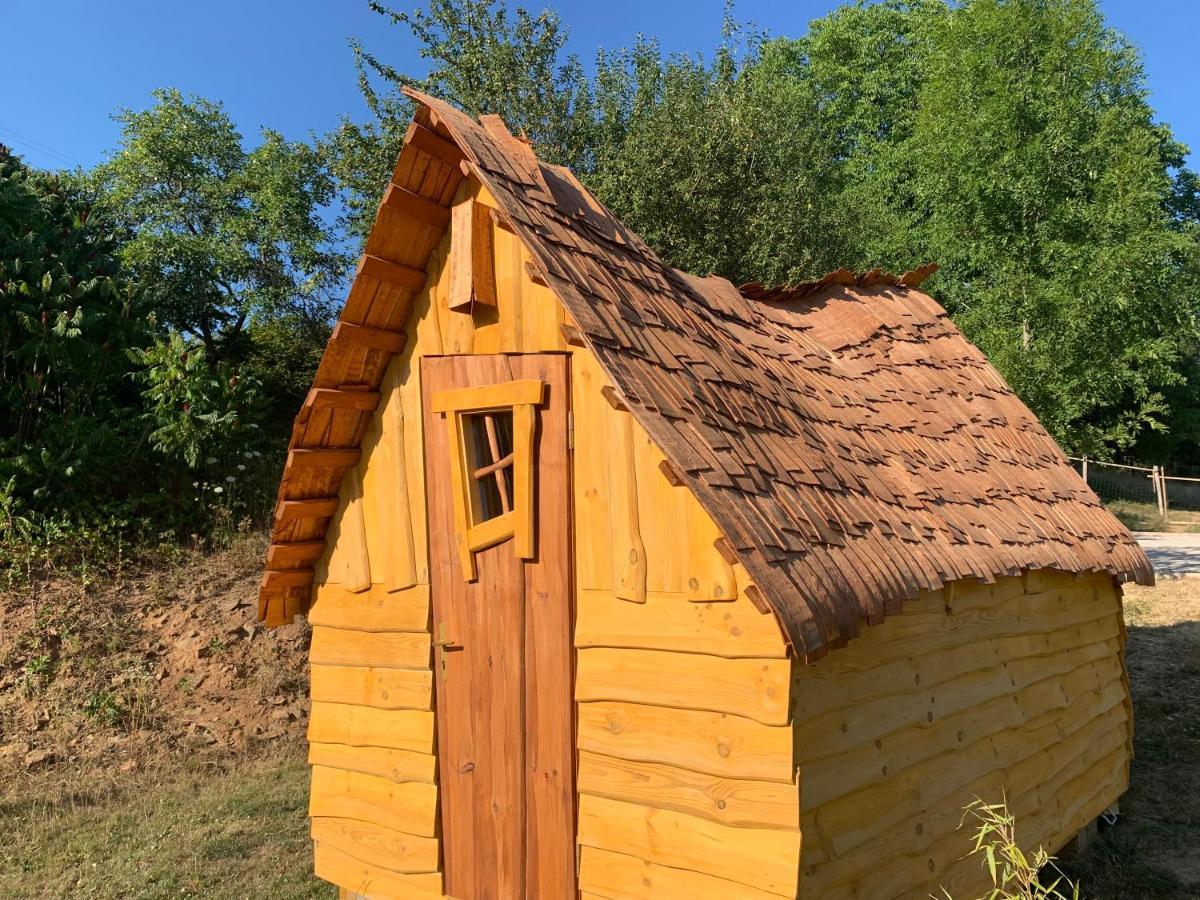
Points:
x=489, y=437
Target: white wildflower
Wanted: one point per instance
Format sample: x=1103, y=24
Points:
x=218, y=490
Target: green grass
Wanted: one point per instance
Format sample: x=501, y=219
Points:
x=227, y=830
x=1145, y=517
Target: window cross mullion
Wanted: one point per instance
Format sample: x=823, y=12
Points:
x=489, y=423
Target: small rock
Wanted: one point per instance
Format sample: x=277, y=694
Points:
x=35, y=758
x=130, y=765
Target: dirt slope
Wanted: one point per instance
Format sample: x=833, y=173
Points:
x=117, y=673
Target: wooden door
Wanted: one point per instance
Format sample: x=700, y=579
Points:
x=499, y=510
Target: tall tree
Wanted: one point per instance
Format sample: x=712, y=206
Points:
x=67, y=319
x=1048, y=194
x=482, y=57
x=1009, y=140
x=217, y=234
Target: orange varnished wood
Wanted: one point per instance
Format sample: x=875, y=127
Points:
x=412, y=205
x=504, y=708
x=394, y=273
x=363, y=401
x=317, y=508
x=366, y=336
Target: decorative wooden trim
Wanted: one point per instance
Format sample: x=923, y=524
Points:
x=353, y=530
x=405, y=203
x=523, y=427
x=368, y=337
x=472, y=267
x=392, y=272
x=277, y=579
x=288, y=555
x=363, y=401
x=536, y=275
x=726, y=550
x=499, y=464
x=629, y=550
x=333, y=457
x=490, y=533
x=318, y=508
x=670, y=473
x=521, y=396
x=458, y=492
x=435, y=145
x=755, y=596
x=501, y=221
x=609, y=393
x=571, y=335
x=490, y=396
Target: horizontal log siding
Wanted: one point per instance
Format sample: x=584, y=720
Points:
x=373, y=799
x=686, y=777
x=1013, y=690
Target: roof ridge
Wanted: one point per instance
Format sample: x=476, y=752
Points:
x=756, y=290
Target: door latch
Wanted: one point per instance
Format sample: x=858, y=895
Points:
x=443, y=644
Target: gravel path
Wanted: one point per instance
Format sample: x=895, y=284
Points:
x=1171, y=554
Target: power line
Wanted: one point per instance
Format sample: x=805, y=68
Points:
x=41, y=147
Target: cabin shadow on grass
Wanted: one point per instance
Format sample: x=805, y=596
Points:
x=1154, y=850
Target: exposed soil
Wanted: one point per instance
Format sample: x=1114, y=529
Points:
x=119, y=673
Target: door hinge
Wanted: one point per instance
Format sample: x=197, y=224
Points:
x=570, y=429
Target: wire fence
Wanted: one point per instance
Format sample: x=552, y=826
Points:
x=1144, y=496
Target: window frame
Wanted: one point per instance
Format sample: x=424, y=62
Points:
x=520, y=397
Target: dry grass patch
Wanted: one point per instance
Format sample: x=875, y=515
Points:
x=1154, y=850
x=219, y=829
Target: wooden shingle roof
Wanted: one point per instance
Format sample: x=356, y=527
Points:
x=854, y=448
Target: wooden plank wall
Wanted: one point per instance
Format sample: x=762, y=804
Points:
x=685, y=754
x=1016, y=689
x=373, y=799
x=692, y=720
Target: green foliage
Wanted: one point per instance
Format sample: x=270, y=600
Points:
x=198, y=412
x=482, y=57
x=66, y=318
x=1014, y=874
x=146, y=309
x=1045, y=190
x=217, y=235
x=1009, y=140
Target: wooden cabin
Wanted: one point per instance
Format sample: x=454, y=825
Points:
x=626, y=583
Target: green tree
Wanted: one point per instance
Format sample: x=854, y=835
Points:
x=217, y=234
x=66, y=321
x=1049, y=195
x=483, y=58
x=1011, y=141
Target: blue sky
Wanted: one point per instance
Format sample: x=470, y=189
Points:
x=70, y=63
